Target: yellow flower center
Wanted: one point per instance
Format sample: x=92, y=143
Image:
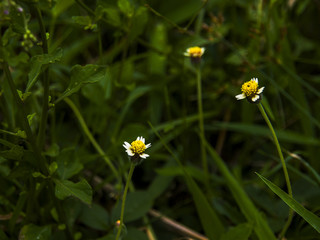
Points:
x=250, y=88
x=137, y=147
x=195, y=51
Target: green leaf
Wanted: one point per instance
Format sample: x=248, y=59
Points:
x=137, y=205
x=126, y=7
x=18, y=20
x=81, y=75
x=286, y=136
x=68, y=163
x=15, y=153
x=36, y=64
x=81, y=190
x=310, y=217
x=53, y=168
x=95, y=217
x=110, y=14
x=3, y=236
x=140, y=20
x=209, y=219
x=32, y=232
x=134, y=234
x=61, y=6
x=240, y=232
x=261, y=227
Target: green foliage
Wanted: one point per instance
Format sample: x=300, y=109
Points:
x=78, y=78
x=310, y=217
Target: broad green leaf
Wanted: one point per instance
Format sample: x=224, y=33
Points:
x=310, y=217
x=61, y=6
x=126, y=7
x=260, y=226
x=68, y=163
x=3, y=236
x=110, y=14
x=18, y=20
x=81, y=75
x=15, y=153
x=53, y=150
x=140, y=20
x=85, y=21
x=95, y=217
x=137, y=205
x=36, y=64
x=32, y=232
x=134, y=234
x=81, y=190
x=240, y=232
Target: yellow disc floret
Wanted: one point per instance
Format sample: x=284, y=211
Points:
x=137, y=147
x=195, y=51
x=250, y=88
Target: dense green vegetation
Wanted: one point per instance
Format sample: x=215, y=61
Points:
x=78, y=78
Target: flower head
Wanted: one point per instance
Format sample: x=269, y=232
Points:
x=251, y=91
x=136, y=148
x=194, y=52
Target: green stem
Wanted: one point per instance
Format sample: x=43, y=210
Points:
x=89, y=135
x=20, y=104
x=284, y=167
x=201, y=125
x=84, y=6
x=132, y=166
x=45, y=104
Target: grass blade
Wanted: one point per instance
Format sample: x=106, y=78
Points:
x=310, y=217
x=261, y=227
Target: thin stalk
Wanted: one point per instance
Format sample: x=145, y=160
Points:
x=132, y=166
x=284, y=167
x=45, y=103
x=89, y=135
x=201, y=126
x=20, y=104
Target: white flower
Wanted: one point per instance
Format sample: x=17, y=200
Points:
x=137, y=148
x=194, y=52
x=251, y=91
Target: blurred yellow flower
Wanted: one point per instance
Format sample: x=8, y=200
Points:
x=194, y=52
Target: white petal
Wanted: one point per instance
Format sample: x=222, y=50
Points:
x=240, y=96
x=144, y=155
x=255, y=79
x=202, y=50
x=255, y=98
x=126, y=145
x=186, y=54
x=129, y=152
x=142, y=139
x=260, y=90
x=148, y=145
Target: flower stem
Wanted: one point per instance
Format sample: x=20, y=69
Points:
x=284, y=167
x=45, y=104
x=89, y=135
x=30, y=137
x=201, y=125
x=132, y=166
